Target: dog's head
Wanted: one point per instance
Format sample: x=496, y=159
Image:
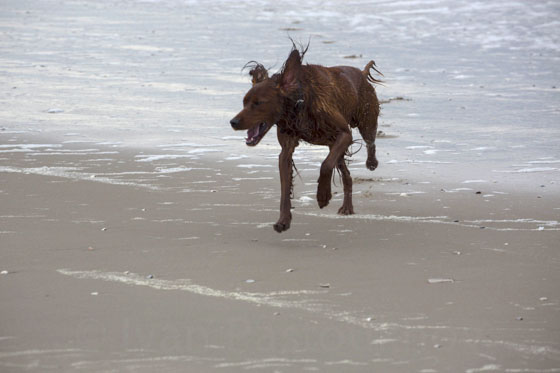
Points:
x=264, y=103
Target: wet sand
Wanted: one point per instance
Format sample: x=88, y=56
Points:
x=136, y=227
x=172, y=265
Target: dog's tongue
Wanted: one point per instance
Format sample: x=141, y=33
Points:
x=253, y=132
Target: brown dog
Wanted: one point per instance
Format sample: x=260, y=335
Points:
x=318, y=105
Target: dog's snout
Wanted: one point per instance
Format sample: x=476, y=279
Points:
x=234, y=123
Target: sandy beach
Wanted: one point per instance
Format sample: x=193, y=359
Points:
x=136, y=227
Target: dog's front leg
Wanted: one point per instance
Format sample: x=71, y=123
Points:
x=342, y=142
x=285, y=164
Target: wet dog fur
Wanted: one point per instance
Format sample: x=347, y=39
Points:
x=319, y=105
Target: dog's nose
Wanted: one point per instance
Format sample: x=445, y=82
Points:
x=234, y=122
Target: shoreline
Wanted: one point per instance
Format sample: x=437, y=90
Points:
x=538, y=177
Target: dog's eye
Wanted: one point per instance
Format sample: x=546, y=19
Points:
x=257, y=103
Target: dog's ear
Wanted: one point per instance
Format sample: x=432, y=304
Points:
x=258, y=73
x=290, y=72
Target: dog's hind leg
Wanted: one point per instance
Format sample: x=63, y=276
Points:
x=347, y=208
x=368, y=130
x=342, y=142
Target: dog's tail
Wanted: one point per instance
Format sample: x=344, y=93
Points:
x=367, y=72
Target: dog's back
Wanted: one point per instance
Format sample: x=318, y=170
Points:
x=342, y=88
x=338, y=90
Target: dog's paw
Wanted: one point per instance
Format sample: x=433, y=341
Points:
x=281, y=226
x=323, y=196
x=346, y=210
x=372, y=163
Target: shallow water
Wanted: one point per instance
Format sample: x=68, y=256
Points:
x=480, y=80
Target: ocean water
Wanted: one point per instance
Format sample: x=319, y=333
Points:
x=480, y=80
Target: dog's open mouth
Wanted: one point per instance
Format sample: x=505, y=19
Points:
x=255, y=134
